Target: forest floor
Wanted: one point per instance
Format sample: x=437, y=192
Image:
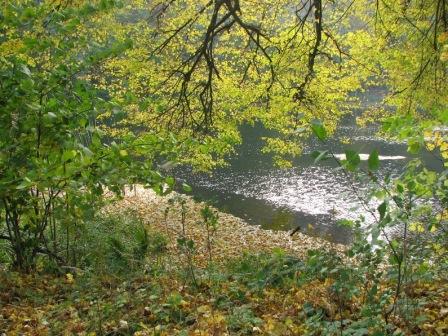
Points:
x=232, y=237
x=237, y=280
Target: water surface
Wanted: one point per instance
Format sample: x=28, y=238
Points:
x=312, y=196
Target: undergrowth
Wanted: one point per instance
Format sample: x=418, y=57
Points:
x=128, y=283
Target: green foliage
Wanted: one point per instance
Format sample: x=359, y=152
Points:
x=352, y=160
x=117, y=244
x=411, y=210
x=320, y=155
x=242, y=320
x=210, y=218
x=408, y=230
x=373, y=161
x=55, y=162
x=93, y=93
x=319, y=130
x=264, y=270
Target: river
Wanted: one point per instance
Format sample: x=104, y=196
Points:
x=314, y=196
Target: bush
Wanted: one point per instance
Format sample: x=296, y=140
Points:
x=242, y=320
x=266, y=269
x=118, y=244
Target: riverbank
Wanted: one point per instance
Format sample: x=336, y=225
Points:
x=247, y=281
x=232, y=237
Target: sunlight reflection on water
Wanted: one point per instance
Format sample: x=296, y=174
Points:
x=307, y=194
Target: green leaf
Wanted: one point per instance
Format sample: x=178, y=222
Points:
x=170, y=181
x=26, y=183
x=352, y=158
x=158, y=189
x=319, y=155
x=82, y=122
x=71, y=25
x=25, y=70
x=87, y=151
x=51, y=115
x=373, y=161
x=346, y=223
x=186, y=188
x=67, y=155
x=319, y=129
x=27, y=84
x=382, y=210
x=414, y=147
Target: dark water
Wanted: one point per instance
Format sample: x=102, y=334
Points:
x=312, y=196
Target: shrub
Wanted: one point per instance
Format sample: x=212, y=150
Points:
x=118, y=244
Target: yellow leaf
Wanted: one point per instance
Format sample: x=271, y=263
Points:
x=416, y=227
x=443, y=37
x=203, y=309
x=430, y=146
x=69, y=278
x=444, y=56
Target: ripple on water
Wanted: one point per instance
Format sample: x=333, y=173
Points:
x=312, y=190
x=308, y=193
